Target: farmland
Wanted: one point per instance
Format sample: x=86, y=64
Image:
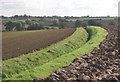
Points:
x=102, y=64
x=22, y=42
x=59, y=48
x=97, y=18
x=47, y=60
x=24, y=22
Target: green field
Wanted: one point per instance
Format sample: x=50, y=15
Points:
x=42, y=63
x=91, y=19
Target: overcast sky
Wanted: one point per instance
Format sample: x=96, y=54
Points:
x=59, y=7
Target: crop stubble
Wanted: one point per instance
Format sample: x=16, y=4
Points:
x=17, y=43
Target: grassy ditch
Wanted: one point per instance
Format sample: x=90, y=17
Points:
x=13, y=68
x=59, y=54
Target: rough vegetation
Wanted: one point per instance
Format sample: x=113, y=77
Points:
x=32, y=60
x=24, y=22
x=52, y=58
x=103, y=64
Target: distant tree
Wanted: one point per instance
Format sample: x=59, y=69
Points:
x=35, y=27
x=79, y=23
x=16, y=16
x=66, y=17
x=25, y=16
x=2, y=17
x=63, y=20
x=31, y=22
x=108, y=16
x=63, y=25
x=87, y=16
x=94, y=23
x=41, y=18
x=20, y=26
x=55, y=23
x=28, y=21
x=9, y=26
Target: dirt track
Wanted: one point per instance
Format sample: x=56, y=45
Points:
x=18, y=43
x=100, y=65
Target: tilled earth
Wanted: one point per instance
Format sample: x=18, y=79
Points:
x=15, y=44
x=103, y=64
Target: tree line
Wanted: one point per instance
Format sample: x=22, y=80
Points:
x=33, y=24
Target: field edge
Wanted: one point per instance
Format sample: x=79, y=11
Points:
x=96, y=36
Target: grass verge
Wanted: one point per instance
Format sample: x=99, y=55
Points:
x=25, y=63
x=96, y=35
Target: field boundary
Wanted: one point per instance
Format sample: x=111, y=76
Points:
x=38, y=58
x=96, y=36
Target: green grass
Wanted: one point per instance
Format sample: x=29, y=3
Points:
x=60, y=55
x=91, y=19
x=30, y=61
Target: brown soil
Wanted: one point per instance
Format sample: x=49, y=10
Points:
x=103, y=64
x=18, y=43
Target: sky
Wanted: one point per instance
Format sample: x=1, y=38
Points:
x=59, y=7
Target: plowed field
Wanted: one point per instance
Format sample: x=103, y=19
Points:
x=18, y=43
x=101, y=65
